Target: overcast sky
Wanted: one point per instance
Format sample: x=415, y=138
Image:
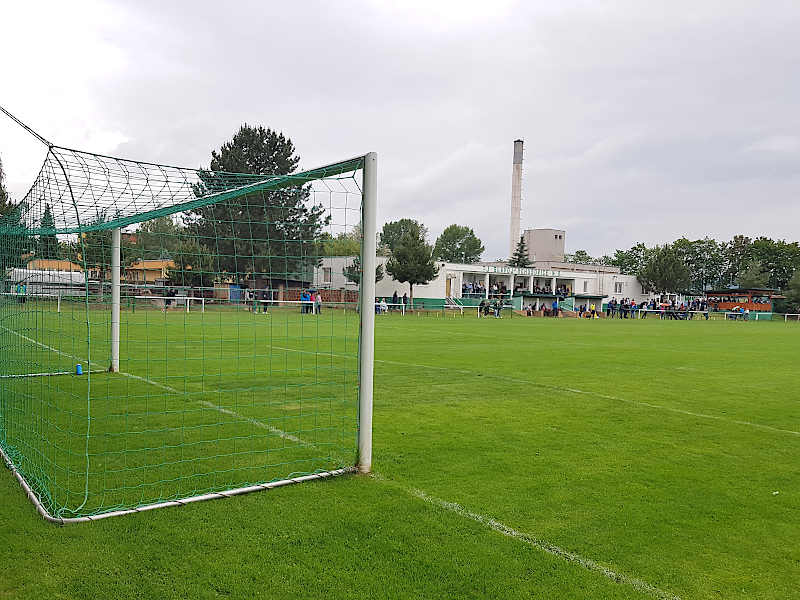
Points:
x=642, y=121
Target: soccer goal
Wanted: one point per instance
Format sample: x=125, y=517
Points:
x=157, y=341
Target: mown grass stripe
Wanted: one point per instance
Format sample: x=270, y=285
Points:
x=587, y=393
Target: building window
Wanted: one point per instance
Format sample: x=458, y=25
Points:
x=617, y=287
x=326, y=275
x=585, y=286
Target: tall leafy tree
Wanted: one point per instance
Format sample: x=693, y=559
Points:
x=520, y=256
x=630, y=262
x=17, y=241
x=792, y=293
x=705, y=260
x=458, y=244
x=664, y=271
x=260, y=233
x=777, y=258
x=393, y=231
x=344, y=244
x=581, y=257
x=94, y=251
x=412, y=261
x=194, y=265
x=753, y=276
x=157, y=238
x=738, y=255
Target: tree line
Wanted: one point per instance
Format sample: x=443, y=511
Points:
x=691, y=266
x=279, y=232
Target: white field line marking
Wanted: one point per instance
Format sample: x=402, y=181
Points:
x=543, y=545
x=562, y=389
x=256, y=422
x=25, y=337
x=596, y=394
x=48, y=374
x=501, y=377
x=150, y=381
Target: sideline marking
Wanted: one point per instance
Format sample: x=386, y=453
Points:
x=25, y=337
x=257, y=423
x=494, y=525
x=597, y=394
x=207, y=404
x=279, y=432
x=466, y=372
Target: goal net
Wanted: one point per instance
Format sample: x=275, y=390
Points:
x=171, y=334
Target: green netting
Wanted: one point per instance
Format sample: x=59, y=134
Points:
x=238, y=353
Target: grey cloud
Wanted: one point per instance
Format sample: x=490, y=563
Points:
x=628, y=109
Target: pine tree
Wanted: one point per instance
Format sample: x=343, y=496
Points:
x=412, y=261
x=520, y=257
x=48, y=242
x=263, y=232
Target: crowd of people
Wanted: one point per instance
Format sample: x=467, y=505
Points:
x=666, y=310
x=473, y=290
x=492, y=306
x=497, y=290
x=311, y=302
x=382, y=307
x=547, y=310
x=560, y=290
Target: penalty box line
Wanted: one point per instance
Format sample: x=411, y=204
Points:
x=596, y=394
x=571, y=557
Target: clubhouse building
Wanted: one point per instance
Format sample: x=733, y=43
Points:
x=548, y=279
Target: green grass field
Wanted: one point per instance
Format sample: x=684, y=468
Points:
x=514, y=458
x=203, y=402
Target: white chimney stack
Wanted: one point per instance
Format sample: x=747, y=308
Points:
x=516, y=198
